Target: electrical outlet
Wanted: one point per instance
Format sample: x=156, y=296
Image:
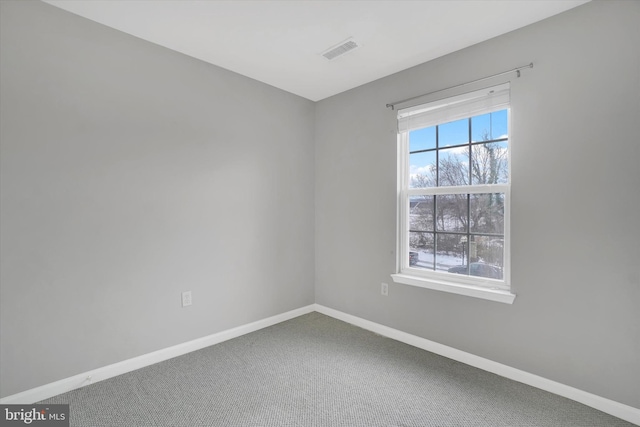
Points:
x=384, y=289
x=186, y=298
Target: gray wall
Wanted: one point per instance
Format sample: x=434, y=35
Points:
x=131, y=173
x=575, y=204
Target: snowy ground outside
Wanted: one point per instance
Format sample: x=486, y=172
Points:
x=443, y=262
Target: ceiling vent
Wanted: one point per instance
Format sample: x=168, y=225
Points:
x=340, y=49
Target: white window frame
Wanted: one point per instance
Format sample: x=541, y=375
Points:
x=435, y=113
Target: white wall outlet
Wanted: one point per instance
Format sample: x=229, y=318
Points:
x=384, y=289
x=186, y=298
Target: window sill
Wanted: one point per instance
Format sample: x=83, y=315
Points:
x=497, y=295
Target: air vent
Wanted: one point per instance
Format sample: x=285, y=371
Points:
x=340, y=49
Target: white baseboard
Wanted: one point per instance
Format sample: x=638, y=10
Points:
x=622, y=411
x=62, y=386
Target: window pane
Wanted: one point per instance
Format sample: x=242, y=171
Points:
x=489, y=163
x=421, y=213
x=486, y=213
x=451, y=251
x=451, y=212
x=421, y=250
x=453, y=166
x=422, y=139
x=489, y=126
x=422, y=170
x=453, y=133
x=487, y=256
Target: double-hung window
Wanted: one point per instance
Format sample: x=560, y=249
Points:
x=453, y=194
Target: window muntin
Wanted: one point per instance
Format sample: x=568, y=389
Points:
x=454, y=199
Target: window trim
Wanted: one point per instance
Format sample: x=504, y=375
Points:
x=473, y=286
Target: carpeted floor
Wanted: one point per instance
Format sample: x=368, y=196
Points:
x=318, y=371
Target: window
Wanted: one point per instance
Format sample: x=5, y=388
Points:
x=454, y=188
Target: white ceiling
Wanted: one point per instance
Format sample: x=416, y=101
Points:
x=280, y=42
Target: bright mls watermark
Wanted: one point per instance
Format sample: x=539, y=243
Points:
x=35, y=415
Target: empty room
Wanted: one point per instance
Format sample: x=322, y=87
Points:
x=319, y=213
